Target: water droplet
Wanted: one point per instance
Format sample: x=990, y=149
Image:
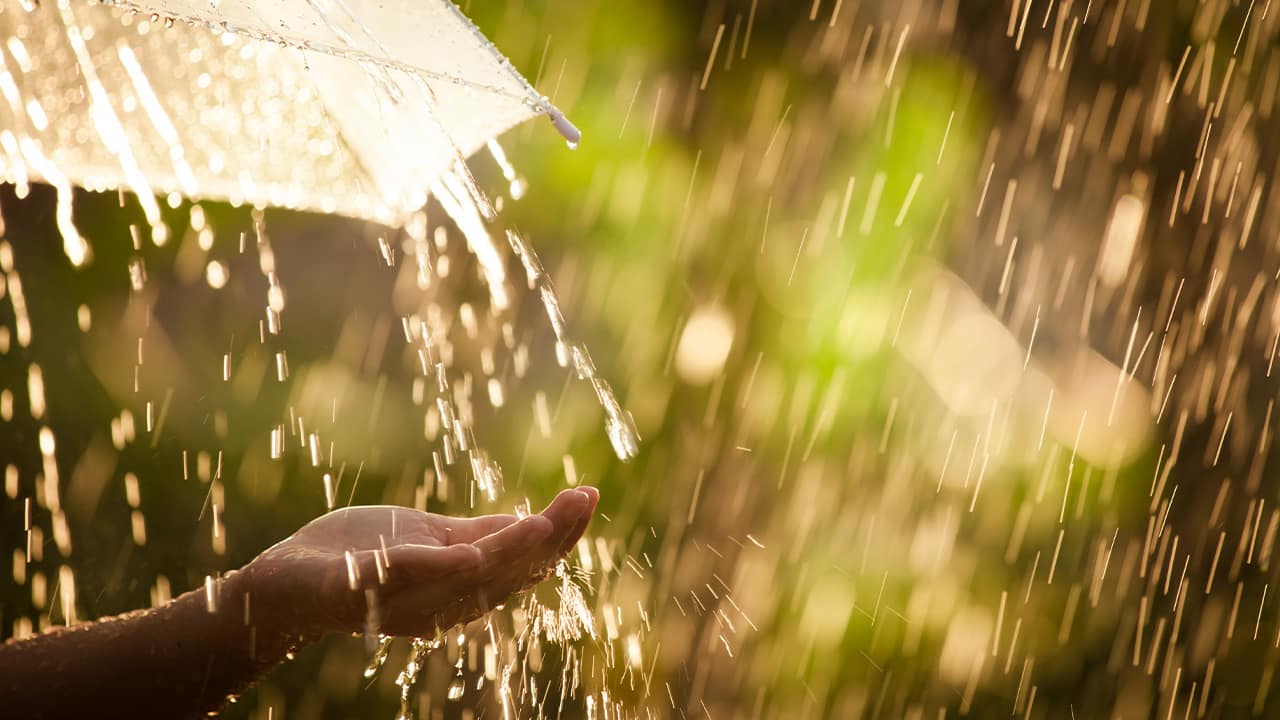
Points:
x=623, y=435
x=137, y=273
x=456, y=688
x=379, y=657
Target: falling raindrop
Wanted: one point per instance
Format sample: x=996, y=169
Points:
x=456, y=688
x=379, y=657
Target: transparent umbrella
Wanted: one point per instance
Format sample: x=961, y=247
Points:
x=355, y=107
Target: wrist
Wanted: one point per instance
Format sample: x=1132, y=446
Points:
x=247, y=611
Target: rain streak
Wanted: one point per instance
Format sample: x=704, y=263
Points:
x=931, y=342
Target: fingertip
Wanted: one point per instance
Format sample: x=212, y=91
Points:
x=567, y=506
x=578, y=522
x=568, y=495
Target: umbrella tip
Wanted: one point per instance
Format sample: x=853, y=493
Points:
x=571, y=134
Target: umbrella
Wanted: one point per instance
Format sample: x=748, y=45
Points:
x=355, y=107
x=358, y=107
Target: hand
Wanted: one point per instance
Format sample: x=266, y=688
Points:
x=399, y=571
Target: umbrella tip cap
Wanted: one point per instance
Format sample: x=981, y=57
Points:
x=571, y=134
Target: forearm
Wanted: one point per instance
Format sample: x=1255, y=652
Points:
x=180, y=660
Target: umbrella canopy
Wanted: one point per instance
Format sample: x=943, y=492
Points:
x=354, y=107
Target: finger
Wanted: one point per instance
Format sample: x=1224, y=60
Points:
x=593, y=497
x=417, y=563
x=566, y=507
x=422, y=610
x=494, y=593
x=419, y=609
x=514, y=541
x=512, y=563
x=567, y=511
x=564, y=514
x=468, y=530
x=515, y=557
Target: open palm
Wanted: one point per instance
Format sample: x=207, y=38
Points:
x=399, y=571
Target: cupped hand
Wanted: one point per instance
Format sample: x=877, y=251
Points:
x=399, y=571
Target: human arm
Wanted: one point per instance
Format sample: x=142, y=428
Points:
x=383, y=569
